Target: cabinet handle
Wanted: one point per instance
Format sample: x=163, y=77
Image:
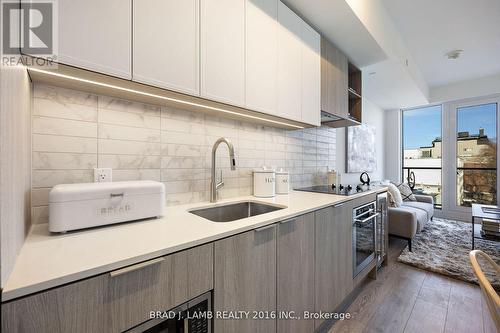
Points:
x=264, y=228
x=287, y=221
x=339, y=205
x=136, y=267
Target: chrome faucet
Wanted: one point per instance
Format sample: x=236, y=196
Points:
x=214, y=185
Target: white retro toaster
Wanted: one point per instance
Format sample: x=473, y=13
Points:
x=78, y=206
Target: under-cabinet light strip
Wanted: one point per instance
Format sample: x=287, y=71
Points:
x=159, y=96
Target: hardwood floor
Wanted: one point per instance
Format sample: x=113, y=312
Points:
x=407, y=299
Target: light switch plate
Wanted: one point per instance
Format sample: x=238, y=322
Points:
x=102, y=175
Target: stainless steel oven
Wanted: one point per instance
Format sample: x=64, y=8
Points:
x=364, y=236
x=190, y=317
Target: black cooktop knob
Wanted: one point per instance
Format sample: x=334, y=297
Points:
x=349, y=187
x=341, y=187
x=358, y=188
x=334, y=186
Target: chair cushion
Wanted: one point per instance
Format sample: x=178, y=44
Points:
x=428, y=208
x=421, y=217
x=424, y=212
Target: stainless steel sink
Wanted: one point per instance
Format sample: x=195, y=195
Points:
x=235, y=211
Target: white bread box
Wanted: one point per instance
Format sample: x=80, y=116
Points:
x=78, y=206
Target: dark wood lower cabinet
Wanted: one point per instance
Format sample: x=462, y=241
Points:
x=160, y=286
x=270, y=273
x=115, y=301
x=333, y=264
x=296, y=273
x=245, y=280
x=78, y=307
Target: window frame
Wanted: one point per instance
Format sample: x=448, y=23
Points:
x=404, y=174
x=452, y=151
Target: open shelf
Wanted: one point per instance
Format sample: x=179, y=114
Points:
x=478, y=235
x=354, y=91
x=353, y=94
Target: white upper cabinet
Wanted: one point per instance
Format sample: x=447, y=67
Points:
x=223, y=51
x=311, y=75
x=262, y=55
x=254, y=54
x=289, y=64
x=96, y=35
x=166, y=44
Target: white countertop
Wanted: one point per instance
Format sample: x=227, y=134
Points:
x=48, y=260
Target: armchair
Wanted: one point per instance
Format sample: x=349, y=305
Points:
x=410, y=218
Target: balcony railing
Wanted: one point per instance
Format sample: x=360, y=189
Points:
x=474, y=185
x=427, y=181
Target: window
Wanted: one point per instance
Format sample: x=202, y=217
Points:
x=476, y=147
x=422, y=147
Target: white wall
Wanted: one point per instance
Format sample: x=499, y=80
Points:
x=15, y=164
x=393, y=145
x=374, y=116
x=74, y=132
x=466, y=89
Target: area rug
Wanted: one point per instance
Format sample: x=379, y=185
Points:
x=443, y=247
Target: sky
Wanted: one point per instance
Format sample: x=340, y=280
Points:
x=421, y=126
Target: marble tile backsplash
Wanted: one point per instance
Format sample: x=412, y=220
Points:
x=74, y=132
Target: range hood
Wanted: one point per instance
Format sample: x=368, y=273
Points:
x=331, y=120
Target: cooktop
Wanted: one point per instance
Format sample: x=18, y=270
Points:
x=335, y=189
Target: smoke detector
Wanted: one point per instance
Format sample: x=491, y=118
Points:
x=455, y=54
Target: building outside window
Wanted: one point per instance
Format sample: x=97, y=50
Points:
x=477, y=155
x=422, y=150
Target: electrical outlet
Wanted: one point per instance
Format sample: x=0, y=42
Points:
x=102, y=175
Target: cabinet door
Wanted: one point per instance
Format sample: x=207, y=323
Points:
x=334, y=267
x=200, y=270
x=289, y=64
x=77, y=307
x=296, y=272
x=223, y=51
x=166, y=44
x=261, y=55
x=88, y=39
x=132, y=294
x=334, y=80
x=311, y=75
x=245, y=279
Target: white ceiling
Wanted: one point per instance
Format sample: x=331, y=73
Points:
x=338, y=23
x=430, y=28
x=363, y=29
x=388, y=85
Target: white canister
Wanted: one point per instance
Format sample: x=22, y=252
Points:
x=332, y=177
x=264, y=183
x=339, y=179
x=282, y=182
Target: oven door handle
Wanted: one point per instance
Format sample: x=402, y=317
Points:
x=371, y=217
x=368, y=212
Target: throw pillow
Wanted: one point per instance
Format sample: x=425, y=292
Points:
x=395, y=195
x=406, y=192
